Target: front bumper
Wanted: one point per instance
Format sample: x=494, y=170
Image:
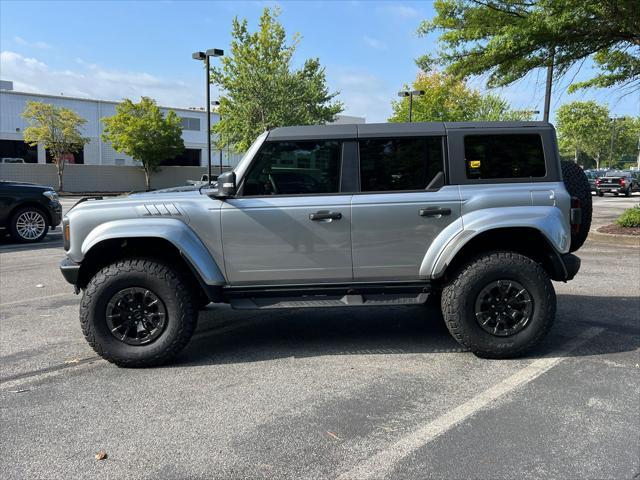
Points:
x=55, y=211
x=70, y=270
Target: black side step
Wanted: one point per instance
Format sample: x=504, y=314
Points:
x=324, y=301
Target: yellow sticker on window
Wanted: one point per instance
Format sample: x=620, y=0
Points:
x=474, y=163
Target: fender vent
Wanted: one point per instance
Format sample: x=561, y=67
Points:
x=159, y=210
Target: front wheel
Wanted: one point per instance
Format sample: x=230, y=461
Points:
x=499, y=305
x=138, y=313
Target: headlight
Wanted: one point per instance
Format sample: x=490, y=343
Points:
x=51, y=195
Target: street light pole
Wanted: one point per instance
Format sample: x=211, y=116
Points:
x=217, y=104
x=208, y=87
x=410, y=94
x=212, y=52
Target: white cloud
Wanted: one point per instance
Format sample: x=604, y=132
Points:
x=94, y=81
x=402, y=11
x=374, y=43
x=363, y=94
x=39, y=44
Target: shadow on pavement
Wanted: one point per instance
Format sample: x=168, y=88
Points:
x=52, y=240
x=271, y=335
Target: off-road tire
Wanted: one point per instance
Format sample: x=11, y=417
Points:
x=170, y=287
x=460, y=293
x=600, y=194
x=13, y=227
x=577, y=185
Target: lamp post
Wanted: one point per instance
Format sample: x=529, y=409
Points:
x=212, y=52
x=410, y=94
x=217, y=104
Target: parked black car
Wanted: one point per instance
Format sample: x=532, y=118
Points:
x=616, y=182
x=27, y=210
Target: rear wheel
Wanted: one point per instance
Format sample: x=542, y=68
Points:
x=138, y=313
x=577, y=185
x=29, y=225
x=499, y=305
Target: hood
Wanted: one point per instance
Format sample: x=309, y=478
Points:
x=34, y=186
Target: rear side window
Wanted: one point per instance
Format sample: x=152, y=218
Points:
x=503, y=156
x=295, y=168
x=388, y=164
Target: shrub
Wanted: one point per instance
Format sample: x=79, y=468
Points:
x=630, y=217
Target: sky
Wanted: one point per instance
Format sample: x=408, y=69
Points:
x=118, y=49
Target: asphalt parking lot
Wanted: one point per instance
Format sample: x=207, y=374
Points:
x=344, y=393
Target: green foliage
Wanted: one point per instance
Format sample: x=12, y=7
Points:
x=448, y=99
x=141, y=131
x=57, y=129
x=585, y=128
x=262, y=91
x=630, y=217
x=509, y=38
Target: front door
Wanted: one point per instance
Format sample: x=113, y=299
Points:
x=289, y=224
x=403, y=205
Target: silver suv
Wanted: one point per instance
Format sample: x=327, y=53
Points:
x=479, y=216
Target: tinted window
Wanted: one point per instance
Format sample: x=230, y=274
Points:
x=399, y=163
x=504, y=156
x=295, y=168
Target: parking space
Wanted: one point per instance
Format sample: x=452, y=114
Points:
x=346, y=393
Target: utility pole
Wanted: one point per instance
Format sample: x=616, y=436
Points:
x=547, y=92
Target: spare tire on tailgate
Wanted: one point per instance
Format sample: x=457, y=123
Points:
x=578, y=187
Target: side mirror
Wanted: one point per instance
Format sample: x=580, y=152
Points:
x=226, y=185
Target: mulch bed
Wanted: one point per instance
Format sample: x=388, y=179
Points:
x=618, y=230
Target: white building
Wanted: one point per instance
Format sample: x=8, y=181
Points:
x=98, y=152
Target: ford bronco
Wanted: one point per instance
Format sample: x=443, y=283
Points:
x=480, y=217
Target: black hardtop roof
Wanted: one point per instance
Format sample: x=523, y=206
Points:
x=368, y=130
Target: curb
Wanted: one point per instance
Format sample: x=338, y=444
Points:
x=612, y=238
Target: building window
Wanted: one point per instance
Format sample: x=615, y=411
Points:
x=120, y=161
x=190, y=123
x=504, y=156
x=18, y=149
x=394, y=164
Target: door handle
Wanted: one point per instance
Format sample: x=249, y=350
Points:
x=434, y=212
x=325, y=215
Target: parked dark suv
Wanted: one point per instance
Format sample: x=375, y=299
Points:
x=27, y=210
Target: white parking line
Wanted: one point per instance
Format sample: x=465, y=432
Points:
x=380, y=464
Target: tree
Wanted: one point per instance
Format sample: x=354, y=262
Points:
x=583, y=127
x=57, y=129
x=262, y=91
x=587, y=128
x=449, y=99
x=141, y=131
x=509, y=38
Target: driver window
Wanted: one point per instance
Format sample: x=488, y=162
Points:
x=295, y=168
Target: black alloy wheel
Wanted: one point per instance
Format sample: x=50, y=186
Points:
x=503, y=308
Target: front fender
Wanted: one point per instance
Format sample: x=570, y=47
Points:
x=548, y=220
x=172, y=230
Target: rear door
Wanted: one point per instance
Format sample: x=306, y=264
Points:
x=290, y=224
x=403, y=204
